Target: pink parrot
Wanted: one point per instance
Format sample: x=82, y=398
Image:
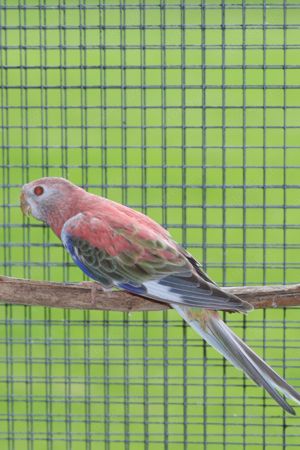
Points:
x=120, y=247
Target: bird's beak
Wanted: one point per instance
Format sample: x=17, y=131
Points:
x=25, y=207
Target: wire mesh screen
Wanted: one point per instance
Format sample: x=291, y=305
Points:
x=189, y=112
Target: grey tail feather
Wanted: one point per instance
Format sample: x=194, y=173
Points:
x=219, y=335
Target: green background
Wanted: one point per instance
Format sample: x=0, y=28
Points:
x=190, y=113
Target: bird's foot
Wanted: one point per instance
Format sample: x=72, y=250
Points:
x=94, y=287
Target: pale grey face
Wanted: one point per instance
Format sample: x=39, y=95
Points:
x=33, y=199
x=41, y=197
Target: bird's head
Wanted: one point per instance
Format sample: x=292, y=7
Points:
x=49, y=199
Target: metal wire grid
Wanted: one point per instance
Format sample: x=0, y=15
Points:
x=188, y=111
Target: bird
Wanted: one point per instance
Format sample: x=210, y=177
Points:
x=120, y=247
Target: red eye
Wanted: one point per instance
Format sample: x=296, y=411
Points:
x=38, y=190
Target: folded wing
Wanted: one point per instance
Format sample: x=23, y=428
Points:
x=149, y=264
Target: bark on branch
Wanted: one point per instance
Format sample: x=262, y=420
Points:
x=89, y=296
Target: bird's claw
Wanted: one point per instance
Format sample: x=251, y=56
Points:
x=94, y=287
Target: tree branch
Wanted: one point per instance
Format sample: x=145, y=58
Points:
x=89, y=296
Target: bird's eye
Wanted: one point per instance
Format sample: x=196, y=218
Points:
x=38, y=190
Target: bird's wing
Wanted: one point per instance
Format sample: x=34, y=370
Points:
x=133, y=257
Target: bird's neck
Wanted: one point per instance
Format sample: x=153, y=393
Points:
x=58, y=216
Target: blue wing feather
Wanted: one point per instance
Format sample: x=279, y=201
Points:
x=68, y=243
x=139, y=290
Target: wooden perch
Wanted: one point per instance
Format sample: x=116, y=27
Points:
x=89, y=296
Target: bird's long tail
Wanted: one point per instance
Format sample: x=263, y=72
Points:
x=212, y=328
